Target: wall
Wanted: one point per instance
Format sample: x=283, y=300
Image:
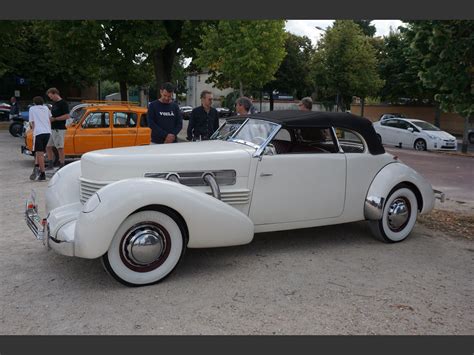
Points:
x=450, y=122
x=196, y=83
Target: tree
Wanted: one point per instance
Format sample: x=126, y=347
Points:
x=294, y=74
x=165, y=40
x=399, y=69
x=345, y=64
x=446, y=53
x=243, y=54
x=123, y=59
x=368, y=29
x=74, y=49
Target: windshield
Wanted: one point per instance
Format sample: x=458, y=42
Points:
x=252, y=132
x=425, y=126
x=77, y=114
x=228, y=129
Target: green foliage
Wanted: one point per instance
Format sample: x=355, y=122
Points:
x=294, y=74
x=345, y=64
x=445, y=50
x=368, y=29
x=11, y=45
x=399, y=68
x=108, y=87
x=122, y=56
x=242, y=54
x=74, y=48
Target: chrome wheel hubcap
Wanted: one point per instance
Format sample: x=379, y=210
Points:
x=145, y=247
x=398, y=214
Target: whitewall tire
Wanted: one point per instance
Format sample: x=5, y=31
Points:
x=399, y=216
x=146, y=248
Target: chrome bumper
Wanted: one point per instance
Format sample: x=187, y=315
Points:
x=439, y=195
x=39, y=226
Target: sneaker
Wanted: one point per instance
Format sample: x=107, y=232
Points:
x=34, y=174
x=41, y=176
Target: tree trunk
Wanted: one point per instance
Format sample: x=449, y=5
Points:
x=163, y=64
x=241, y=88
x=123, y=91
x=362, y=106
x=437, y=116
x=464, y=136
x=271, y=100
x=163, y=58
x=261, y=99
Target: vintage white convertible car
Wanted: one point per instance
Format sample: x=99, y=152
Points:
x=139, y=208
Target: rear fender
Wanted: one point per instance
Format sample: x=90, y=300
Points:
x=210, y=222
x=386, y=179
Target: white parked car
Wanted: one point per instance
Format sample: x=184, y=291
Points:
x=413, y=133
x=391, y=115
x=139, y=208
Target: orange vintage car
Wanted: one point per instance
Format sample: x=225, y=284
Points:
x=99, y=125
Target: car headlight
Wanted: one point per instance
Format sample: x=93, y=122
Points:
x=433, y=137
x=92, y=203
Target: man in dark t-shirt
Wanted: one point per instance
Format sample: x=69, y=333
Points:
x=164, y=117
x=204, y=119
x=59, y=115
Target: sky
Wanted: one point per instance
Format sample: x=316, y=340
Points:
x=307, y=27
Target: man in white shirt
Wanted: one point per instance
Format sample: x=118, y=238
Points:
x=39, y=117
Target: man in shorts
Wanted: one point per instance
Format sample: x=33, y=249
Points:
x=39, y=117
x=59, y=115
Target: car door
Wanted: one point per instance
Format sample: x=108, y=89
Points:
x=298, y=186
x=143, y=132
x=93, y=133
x=407, y=137
x=124, y=129
x=388, y=131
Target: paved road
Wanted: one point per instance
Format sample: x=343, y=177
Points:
x=452, y=174
x=328, y=280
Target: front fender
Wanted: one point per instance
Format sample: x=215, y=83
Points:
x=64, y=186
x=389, y=177
x=210, y=222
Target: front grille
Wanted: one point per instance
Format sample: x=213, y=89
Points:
x=88, y=188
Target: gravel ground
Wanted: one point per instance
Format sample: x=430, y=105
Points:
x=327, y=280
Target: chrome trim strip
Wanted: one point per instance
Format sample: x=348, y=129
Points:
x=337, y=140
x=195, y=178
x=270, y=137
x=373, y=207
x=211, y=181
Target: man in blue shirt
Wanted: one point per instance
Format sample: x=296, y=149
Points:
x=164, y=117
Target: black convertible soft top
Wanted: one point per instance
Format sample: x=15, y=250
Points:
x=296, y=119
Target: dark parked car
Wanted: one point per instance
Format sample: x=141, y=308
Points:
x=223, y=112
x=186, y=111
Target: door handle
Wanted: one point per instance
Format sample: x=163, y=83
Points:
x=266, y=174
